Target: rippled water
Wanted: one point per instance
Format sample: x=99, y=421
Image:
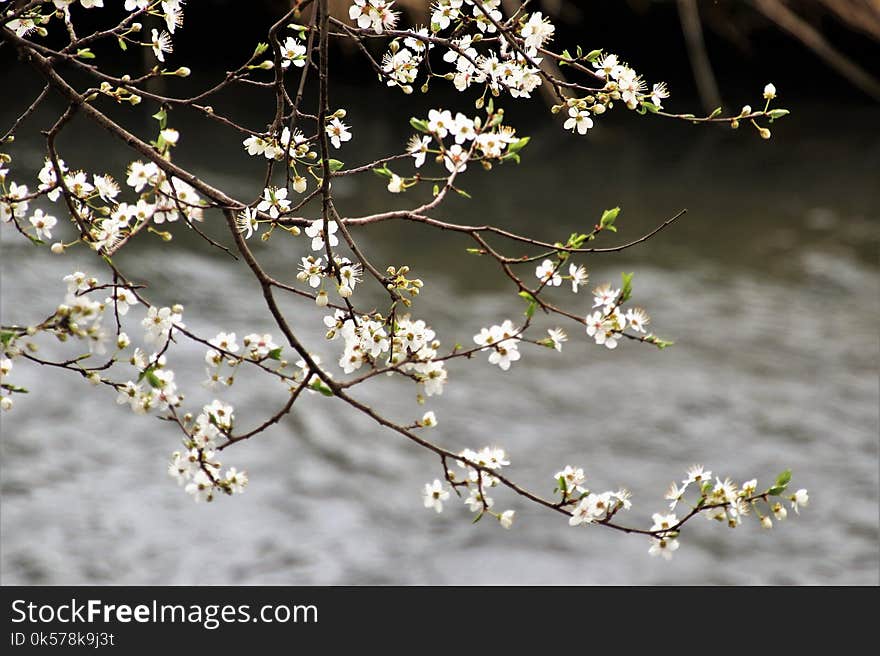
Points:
x=769, y=286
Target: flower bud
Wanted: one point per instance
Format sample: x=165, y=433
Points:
x=300, y=184
x=57, y=248
x=321, y=300
x=765, y=133
x=6, y=403
x=94, y=378
x=766, y=522
x=344, y=290
x=770, y=91
x=779, y=511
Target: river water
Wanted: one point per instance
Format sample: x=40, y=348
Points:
x=769, y=286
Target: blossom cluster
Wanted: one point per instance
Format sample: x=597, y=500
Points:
x=197, y=468
x=407, y=345
x=104, y=220
x=477, y=479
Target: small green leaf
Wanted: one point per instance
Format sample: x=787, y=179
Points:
x=260, y=49
x=784, y=478
x=275, y=354
x=419, y=124
x=478, y=517
x=715, y=112
x=626, y=291
x=436, y=189
x=162, y=117
x=778, y=113
x=122, y=45
x=562, y=486
x=335, y=165
x=14, y=388
x=608, y=219
x=514, y=157
x=462, y=192
x=593, y=55
x=651, y=107
x=658, y=342
x=318, y=386
x=530, y=310
x=153, y=379
x=517, y=145
x=384, y=172
x=6, y=337
x=85, y=53
x=776, y=490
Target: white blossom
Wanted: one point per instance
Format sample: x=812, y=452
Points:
x=434, y=495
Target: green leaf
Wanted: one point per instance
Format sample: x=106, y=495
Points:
x=153, y=379
x=776, y=490
x=608, y=219
x=122, y=45
x=162, y=117
x=14, y=388
x=318, y=386
x=335, y=165
x=715, y=112
x=651, y=107
x=517, y=145
x=627, y=290
x=658, y=342
x=784, y=478
x=419, y=124
x=530, y=310
x=478, y=517
x=260, y=49
x=384, y=172
x=512, y=157
x=436, y=189
x=85, y=53
x=562, y=486
x=593, y=55
x=462, y=192
x=778, y=113
x=6, y=337
x=275, y=354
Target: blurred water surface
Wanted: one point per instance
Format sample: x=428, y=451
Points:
x=769, y=287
